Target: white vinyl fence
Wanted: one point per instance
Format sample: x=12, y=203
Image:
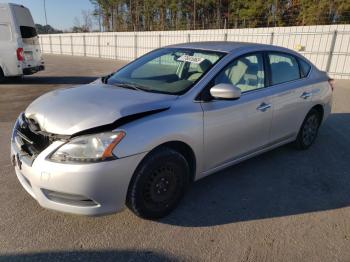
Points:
x=328, y=47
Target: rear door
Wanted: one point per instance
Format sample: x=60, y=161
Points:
x=236, y=128
x=30, y=40
x=31, y=47
x=290, y=97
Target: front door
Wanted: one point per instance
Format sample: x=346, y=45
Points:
x=236, y=128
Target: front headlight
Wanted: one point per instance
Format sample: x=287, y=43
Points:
x=89, y=148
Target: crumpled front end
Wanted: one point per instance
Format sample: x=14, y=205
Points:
x=78, y=188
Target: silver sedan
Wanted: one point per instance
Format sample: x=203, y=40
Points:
x=140, y=136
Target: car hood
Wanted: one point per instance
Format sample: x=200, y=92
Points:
x=72, y=110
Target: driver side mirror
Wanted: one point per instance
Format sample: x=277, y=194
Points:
x=225, y=92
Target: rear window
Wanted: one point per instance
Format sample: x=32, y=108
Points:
x=28, y=31
x=305, y=68
x=5, y=33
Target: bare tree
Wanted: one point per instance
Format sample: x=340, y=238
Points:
x=83, y=24
x=86, y=21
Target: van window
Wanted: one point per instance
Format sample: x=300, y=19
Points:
x=5, y=32
x=28, y=31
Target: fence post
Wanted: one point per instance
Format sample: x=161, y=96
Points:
x=50, y=41
x=272, y=37
x=135, y=46
x=188, y=38
x=84, y=45
x=71, y=44
x=60, y=41
x=331, y=50
x=159, y=40
x=116, y=46
x=41, y=44
x=99, y=45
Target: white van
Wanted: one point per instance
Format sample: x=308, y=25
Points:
x=19, y=42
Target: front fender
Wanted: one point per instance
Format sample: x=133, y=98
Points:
x=184, y=125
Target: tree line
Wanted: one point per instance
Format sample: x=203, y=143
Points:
x=150, y=15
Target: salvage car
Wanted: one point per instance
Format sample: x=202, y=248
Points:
x=140, y=136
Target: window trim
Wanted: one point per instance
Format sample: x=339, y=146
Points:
x=204, y=94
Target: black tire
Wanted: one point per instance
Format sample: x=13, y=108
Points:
x=2, y=76
x=16, y=78
x=308, y=130
x=158, y=184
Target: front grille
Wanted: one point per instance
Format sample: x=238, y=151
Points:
x=30, y=138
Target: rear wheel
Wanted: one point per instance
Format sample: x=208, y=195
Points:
x=309, y=130
x=2, y=76
x=158, y=184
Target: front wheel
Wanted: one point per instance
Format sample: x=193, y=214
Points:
x=309, y=130
x=158, y=184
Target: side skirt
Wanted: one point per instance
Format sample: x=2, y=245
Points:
x=241, y=158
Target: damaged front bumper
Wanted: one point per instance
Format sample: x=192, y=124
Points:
x=82, y=188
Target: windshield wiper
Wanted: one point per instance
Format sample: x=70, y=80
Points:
x=130, y=86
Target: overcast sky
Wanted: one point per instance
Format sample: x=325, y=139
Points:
x=60, y=13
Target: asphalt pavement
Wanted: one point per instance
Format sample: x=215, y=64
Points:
x=284, y=205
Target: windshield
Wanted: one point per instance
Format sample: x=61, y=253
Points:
x=168, y=70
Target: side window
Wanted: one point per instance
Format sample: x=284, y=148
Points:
x=284, y=68
x=246, y=73
x=5, y=32
x=305, y=67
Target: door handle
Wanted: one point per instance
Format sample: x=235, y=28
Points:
x=263, y=107
x=306, y=95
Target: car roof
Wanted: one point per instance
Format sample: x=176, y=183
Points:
x=223, y=46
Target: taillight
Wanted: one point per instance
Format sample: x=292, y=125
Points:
x=20, y=55
x=331, y=82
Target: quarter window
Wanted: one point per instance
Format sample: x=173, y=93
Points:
x=284, y=68
x=305, y=68
x=246, y=73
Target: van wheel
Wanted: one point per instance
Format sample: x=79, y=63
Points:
x=158, y=184
x=309, y=130
x=2, y=76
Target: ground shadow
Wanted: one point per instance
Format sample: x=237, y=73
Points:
x=108, y=255
x=49, y=80
x=279, y=183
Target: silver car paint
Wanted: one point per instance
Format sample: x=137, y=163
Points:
x=93, y=105
x=220, y=133
x=104, y=182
